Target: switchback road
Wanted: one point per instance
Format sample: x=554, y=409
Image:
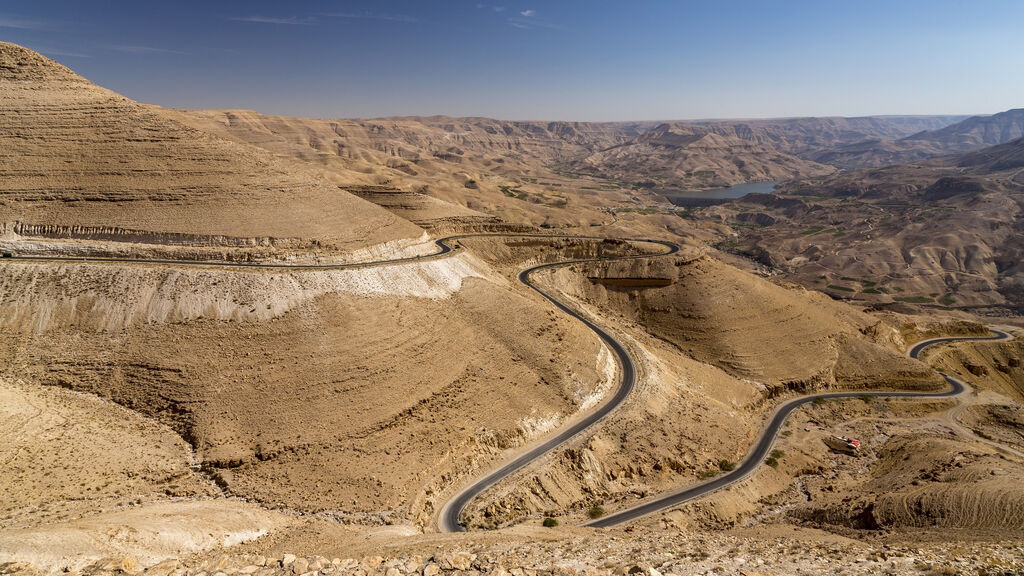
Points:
x=451, y=513
x=764, y=444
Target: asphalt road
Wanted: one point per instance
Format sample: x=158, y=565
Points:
x=444, y=246
x=764, y=444
x=450, y=519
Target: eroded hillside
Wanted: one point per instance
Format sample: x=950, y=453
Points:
x=942, y=233
x=82, y=163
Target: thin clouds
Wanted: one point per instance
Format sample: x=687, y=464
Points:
x=311, y=20
x=528, y=20
x=136, y=49
x=17, y=23
x=289, y=20
x=57, y=52
x=373, y=16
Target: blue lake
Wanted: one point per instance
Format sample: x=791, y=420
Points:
x=736, y=191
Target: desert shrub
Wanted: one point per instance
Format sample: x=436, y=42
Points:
x=726, y=465
x=550, y=522
x=595, y=511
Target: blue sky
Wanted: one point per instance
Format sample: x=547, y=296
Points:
x=570, y=60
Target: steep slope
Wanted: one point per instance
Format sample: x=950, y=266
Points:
x=970, y=134
x=82, y=162
x=715, y=346
x=360, y=392
x=681, y=157
x=975, y=132
x=1009, y=156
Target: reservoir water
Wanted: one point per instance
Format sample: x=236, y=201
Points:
x=736, y=191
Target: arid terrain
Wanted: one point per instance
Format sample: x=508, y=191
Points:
x=945, y=232
x=235, y=343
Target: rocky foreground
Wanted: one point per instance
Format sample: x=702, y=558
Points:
x=646, y=555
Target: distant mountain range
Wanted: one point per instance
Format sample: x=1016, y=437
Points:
x=967, y=135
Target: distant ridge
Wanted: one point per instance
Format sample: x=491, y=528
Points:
x=970, y=134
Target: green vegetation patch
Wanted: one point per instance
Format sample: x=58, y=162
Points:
x=914, y=299
x=512, y=192
x=550, y=522
x=595, y=511
x=843, y=288
x=726, y=465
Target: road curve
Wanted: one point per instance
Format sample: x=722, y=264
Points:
x=445, y=246
x=450, y=518
x=764, y=444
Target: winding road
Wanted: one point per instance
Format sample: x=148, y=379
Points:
x=450, y=519
x=450, y=516
x=764, y=444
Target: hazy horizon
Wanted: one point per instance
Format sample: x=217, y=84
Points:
x=571, y=61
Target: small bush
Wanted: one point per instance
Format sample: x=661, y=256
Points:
x=818, y=401
x=726, y=465
x=777, y=453
x=705, y=474
x=550, y=522
x=595, y=511
x=773, y=462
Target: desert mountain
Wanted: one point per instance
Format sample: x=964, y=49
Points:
x=683, y=157
x=1009, y=156
x=477, y=162
x=967, y=135
x=975, y=132
x=807, y=137
x=80, y=161
x=470, y=165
